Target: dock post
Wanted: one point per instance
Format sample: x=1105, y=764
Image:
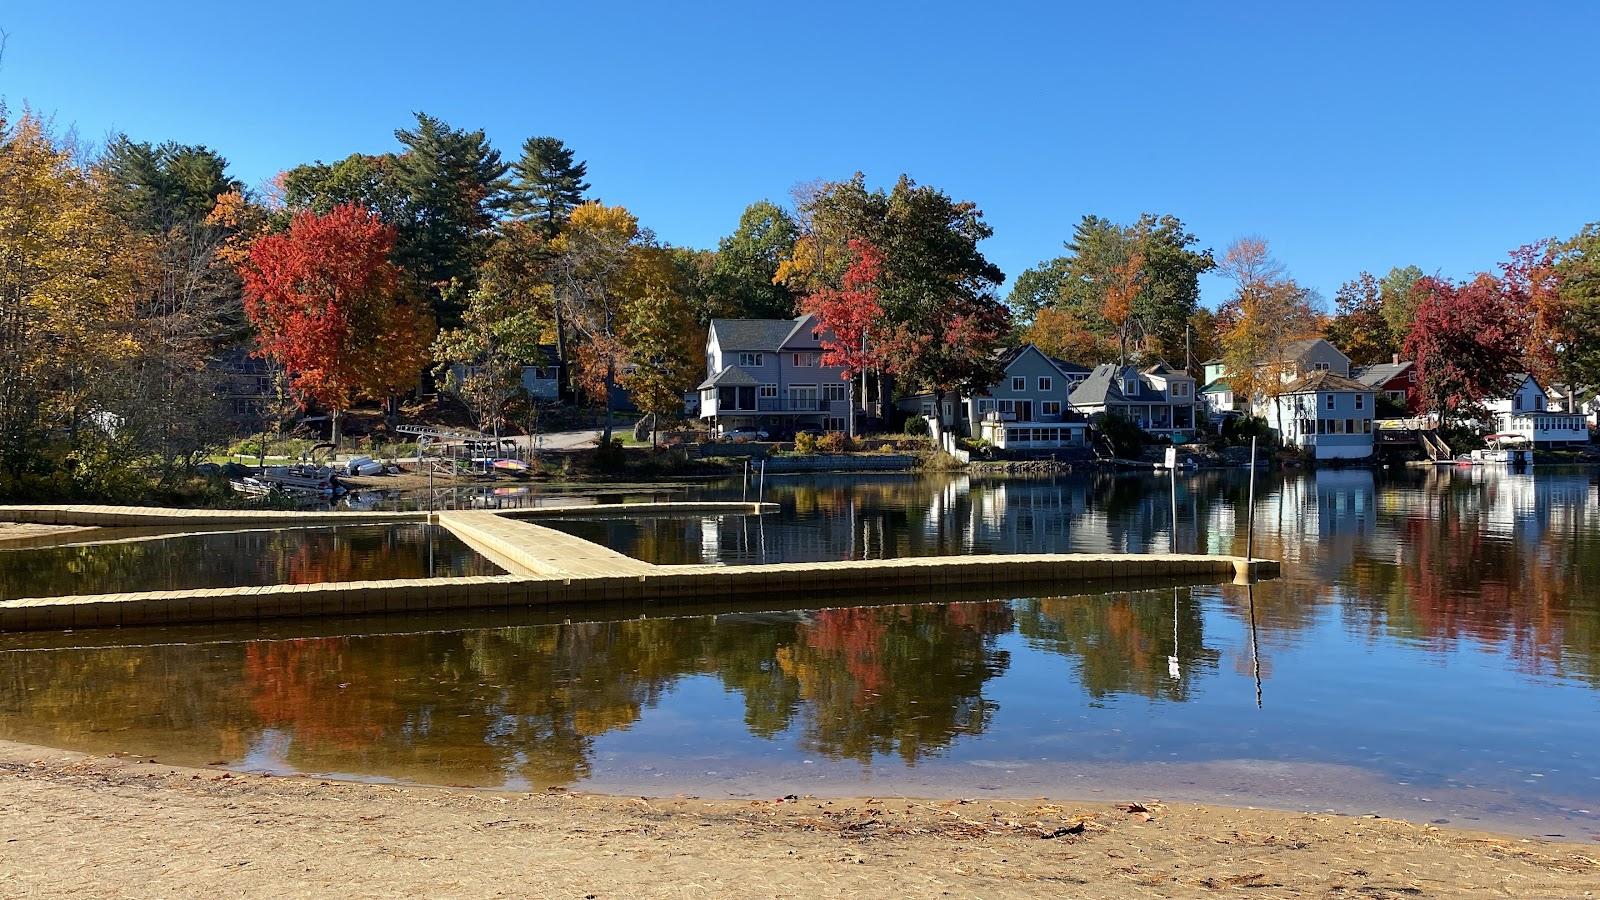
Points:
x=761, y=491
x=744, y=489
x=1250, y=514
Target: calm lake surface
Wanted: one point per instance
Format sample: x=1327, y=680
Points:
x=237, y=559
x=1432, y=650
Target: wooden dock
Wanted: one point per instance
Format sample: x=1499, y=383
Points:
x=549, y=567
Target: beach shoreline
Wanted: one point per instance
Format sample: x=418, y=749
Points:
x=104, y=826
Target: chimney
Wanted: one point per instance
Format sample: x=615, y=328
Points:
x=1394, y=358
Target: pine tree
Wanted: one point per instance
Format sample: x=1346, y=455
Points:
x=453, y=183
x=546, y=184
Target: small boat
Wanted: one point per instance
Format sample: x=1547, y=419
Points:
x=1506, y=449
x=511, y=465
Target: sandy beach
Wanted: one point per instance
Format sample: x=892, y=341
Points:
x=77, y=825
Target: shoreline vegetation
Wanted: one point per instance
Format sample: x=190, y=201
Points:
x=162, y=830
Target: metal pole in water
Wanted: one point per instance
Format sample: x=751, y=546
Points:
x=744, y=489
x=761, y=492
x=1174, y=471
x=1250, y=514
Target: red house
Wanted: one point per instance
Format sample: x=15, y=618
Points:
x=1395, y=379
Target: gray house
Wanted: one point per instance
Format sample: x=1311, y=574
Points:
x=1159, y=399
x=1326, y=414
x=767, y=374
x=1032, y=391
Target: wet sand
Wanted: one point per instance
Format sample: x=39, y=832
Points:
x=98, y=826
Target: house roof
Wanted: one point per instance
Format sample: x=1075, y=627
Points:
x=1217, y=386
x=732, y=376
x=1379, y=374
x=1105, y=385
x=1325, y=381
x=753, y=334
x=1068, y=368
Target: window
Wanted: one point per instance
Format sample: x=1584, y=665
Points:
x=1019, y=383
x=1130, y=385
x=835, y=391
x=750, y=360
x=1009, y=407
x=1361, y=401
x=805, y=360
x=985, y=406
x=1350, y=426
x=833, y=423
x=1538, y=403
x=1330, y=401
x=1320, y=367
x=769, y=391
x=1045, y=384
x=1516, y=403
x=1366, y=426
x=1050, y=407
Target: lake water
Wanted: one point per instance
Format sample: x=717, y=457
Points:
x=1432, y=650
x=150, y=562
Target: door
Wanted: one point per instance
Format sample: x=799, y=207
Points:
x=1024, y=410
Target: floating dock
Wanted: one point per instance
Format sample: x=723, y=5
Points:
x=549, y=567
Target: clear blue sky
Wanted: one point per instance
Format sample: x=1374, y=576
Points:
x=1351, y=135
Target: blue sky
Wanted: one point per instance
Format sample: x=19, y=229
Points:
x=1351, y=135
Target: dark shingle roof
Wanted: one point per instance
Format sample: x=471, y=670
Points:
x=1379, y=374
x=732, y=376
x=752, y=334
x=1105, y=385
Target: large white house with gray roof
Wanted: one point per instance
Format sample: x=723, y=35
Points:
x=767, y=374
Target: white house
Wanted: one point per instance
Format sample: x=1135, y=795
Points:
x=768, y=374
x=1325, y=414
x=1161, y=400
x=1217, y=395
x=1526, y=411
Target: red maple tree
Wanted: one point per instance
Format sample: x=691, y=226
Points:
x=332, y=309
x=1467, y=341
x=847, y=316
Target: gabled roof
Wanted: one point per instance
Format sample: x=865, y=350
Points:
x=1069, y=369
x=1379, y=374
x=1217, y=386
x=753, y=334
x=1105, y=385
x=732, y=376
x=1012, y=354
x=1324, y=382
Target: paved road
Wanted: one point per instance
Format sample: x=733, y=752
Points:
x=567, y=440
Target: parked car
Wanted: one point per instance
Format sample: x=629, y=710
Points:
x=745, y=434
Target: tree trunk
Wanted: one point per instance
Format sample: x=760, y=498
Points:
x=610, y=382
x=333, y=427
x=391, y=412
x=563, y=375
x=850, y=409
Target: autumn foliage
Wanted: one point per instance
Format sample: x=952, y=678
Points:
x=1467, y=340
x=331, y=308
x=846, y=316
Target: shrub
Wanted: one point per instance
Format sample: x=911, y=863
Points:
x=609, y=455
x=1127, y=438
x=805, y=443
x=917, y=426
x=832, y=442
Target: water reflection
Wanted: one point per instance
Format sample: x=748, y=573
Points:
x=1432, y=628
x=238, y=558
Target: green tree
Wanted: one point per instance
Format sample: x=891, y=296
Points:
x=155, y=187
x=1577, y=268
x=747, y=261
x=453, y=184
x=546, y=184
x=1359, y=327
x=366, y=180
x=1152, y=304
x=1398, y=299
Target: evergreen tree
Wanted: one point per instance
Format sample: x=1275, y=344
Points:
x=453, y=184
x=546, y=184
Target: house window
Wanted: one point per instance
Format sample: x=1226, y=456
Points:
x=1130, y=385
x=1321, y=367
x=833, y=423
x=1045, y=384
x=1538, y=403
x=1330, y=401
x=985, y=406
x=1350, y=426
x=1019, y=383
x=1361, y=401
x=1366, y=426
x=835, y=391
x=769, y=391
x=805, y=360
x=1516, y=403
x=1008, y=407
x=1180, y=389
x=1050, y=407
x=750, y=360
